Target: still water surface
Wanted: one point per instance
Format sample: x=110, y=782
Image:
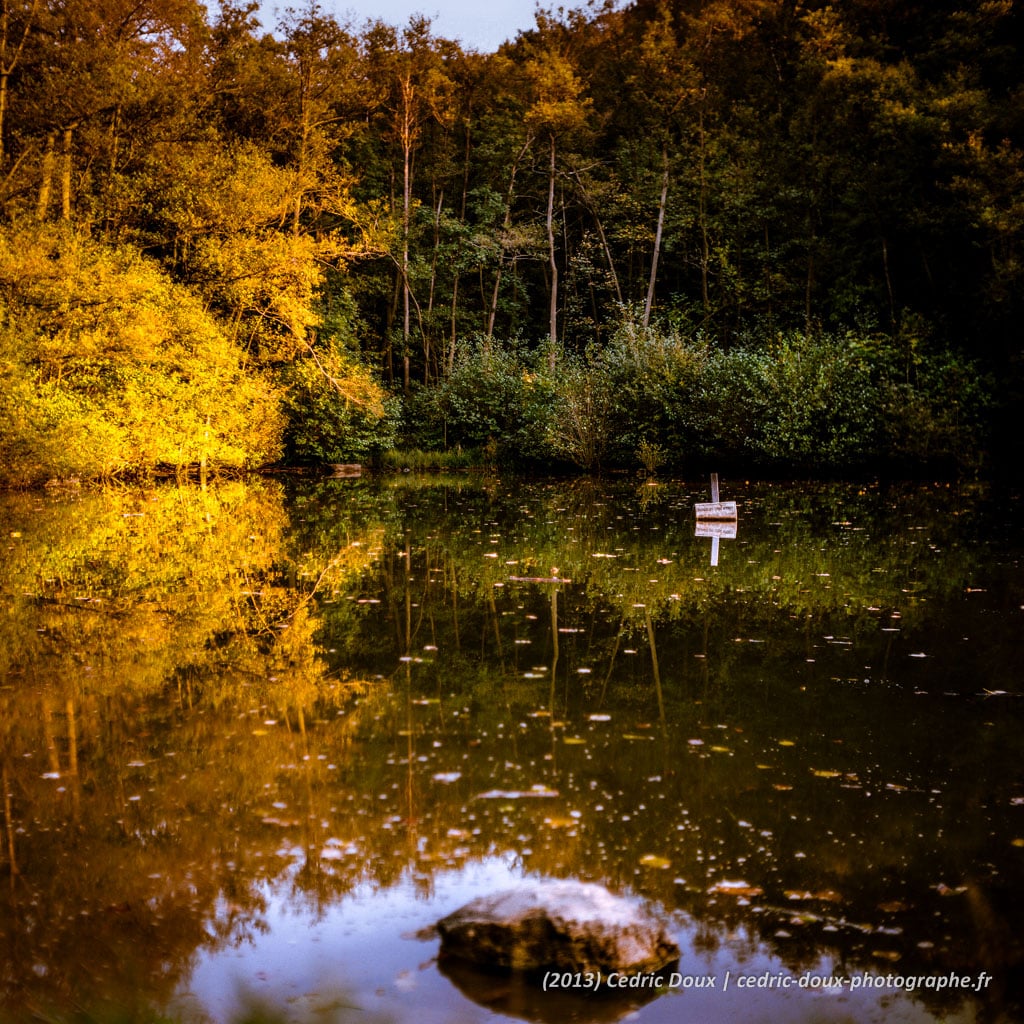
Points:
x=256, y=739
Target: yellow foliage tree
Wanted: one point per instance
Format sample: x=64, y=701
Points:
x=109, y=368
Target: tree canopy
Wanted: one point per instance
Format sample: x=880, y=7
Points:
x=379, y=200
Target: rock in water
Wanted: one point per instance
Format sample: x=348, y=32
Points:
x=557, y=925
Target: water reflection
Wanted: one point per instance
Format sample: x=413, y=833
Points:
x=233, y=716
x=717, y=531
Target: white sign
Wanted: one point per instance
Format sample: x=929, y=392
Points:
x=716, y=510
x=719, y=528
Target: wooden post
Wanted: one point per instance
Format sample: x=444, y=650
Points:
x=716, y=509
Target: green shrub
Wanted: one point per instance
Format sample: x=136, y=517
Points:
x=336, y=410
x=417, y=460
x=580, y=426
x=651, y=375
x=941, y=415
x=812, y=402
x=497, y=398
x=819, y=402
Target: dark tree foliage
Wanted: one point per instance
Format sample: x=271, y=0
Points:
x=729, y=170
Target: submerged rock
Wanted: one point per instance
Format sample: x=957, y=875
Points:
x=558, y=925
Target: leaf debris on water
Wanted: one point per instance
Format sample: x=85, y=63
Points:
x=537, y=791
x=735, y=887
x=652, y=860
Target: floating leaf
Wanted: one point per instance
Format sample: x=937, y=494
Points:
x=538, y=791
x=736, y=888
x=893, y=906
x=652, y=860
x=823, y=895
x=786, y=743
x=825, y=773
x=828, y=896
x=782, y=786
x=574, y=740
x=886, y=954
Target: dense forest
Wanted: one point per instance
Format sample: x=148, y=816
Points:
x=766, y=232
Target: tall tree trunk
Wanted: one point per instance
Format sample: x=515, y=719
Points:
x=608, y=257
x=113, y=147
x=46, y=183
x=552, y=262
x=450, y=361
x=407, y=133
x=702, y=213
x=888, y=286
x=406, y=321
x=809, y=280
x=604, y=241
x=390, y=319
x=9, y=61
x=662, y=202
x=493, y=311
x=427, y=351
x=438, y=206
x=305, y=84
x=5, y=74
x=65, y=177
x=809, y=285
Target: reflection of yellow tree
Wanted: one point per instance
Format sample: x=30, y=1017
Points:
x=162, y=668
x=169, y=589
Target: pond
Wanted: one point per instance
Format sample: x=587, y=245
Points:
x=257, y=738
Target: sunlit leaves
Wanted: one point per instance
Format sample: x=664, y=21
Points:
x=558, y=102
x=117, y=369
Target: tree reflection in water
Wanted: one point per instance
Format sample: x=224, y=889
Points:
x=222, y=709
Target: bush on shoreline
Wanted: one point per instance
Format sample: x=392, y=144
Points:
x=110, y=368
x=822, y=403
